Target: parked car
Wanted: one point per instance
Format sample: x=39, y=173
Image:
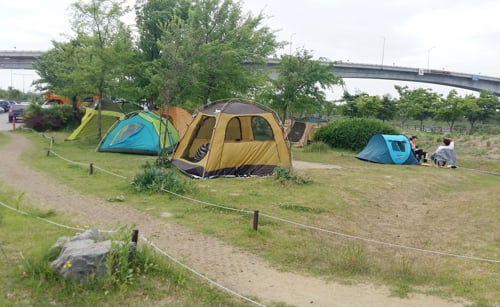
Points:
x=17, y=111
x=5, y=104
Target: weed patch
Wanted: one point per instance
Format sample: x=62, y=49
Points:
x=155, y=178
x=284, y=176
x=353, y=259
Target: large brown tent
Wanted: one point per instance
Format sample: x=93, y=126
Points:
x=178, y=116
x=240, y=139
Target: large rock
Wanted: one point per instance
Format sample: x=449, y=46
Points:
x=91, y=234
x=82, y=257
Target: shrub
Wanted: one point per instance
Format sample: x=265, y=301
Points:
x=54, y=118
x=154, y=178
x=352, y=133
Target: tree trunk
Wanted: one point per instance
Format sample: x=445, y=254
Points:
x=471, y=126
x=74, y=101
x=99, y=122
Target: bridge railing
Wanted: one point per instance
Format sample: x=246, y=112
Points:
x=433, y=129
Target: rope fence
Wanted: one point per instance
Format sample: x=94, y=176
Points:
x=148, y=242
x=353, y=237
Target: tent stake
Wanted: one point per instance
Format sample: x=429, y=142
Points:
x=91, y=170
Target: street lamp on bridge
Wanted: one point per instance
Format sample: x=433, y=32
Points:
x=429, y=56
x=383, y=51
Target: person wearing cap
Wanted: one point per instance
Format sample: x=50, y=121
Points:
x=418, y=152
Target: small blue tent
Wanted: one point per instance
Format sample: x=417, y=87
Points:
x=388, y=149
x=141, y=133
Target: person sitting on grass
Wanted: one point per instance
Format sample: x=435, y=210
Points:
x=418, y=152
x=445, y=154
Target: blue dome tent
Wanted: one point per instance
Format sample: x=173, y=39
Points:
x=140, y=133
x=388, y=149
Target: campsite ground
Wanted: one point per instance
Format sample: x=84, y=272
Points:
x=233, y=267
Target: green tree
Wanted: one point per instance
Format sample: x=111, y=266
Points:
x=105, y=47
x=56, y=70
x=300, y=84
x=387, y=110
x=417, y=104
x=482, y=108
x=369, y=106
x=96, y=60
x=153, y=19
x=450, y=109
x=173, y=76
x=15, y=94
x=203, y=53
x=349, y=107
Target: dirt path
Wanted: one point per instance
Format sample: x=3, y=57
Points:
x=232, y=267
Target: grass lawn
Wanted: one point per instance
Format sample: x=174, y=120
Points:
x=452, y=211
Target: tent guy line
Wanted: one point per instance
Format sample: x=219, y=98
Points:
x=315, y=227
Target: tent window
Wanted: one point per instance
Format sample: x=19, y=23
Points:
x=398, y=146
x=126, y=131
x=233, y=130
x=202, y=135
x=205, y=128
x=297, y=132
x=262, y=131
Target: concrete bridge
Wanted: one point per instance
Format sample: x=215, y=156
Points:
x=18, y=59
x=25, y=59
x=434, y=76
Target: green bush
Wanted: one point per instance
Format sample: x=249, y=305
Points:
x=154, y=178
x=52, y=119
x=352, y=133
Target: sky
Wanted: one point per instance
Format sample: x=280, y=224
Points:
x=453, y=35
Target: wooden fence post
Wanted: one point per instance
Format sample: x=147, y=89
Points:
x=133, y=245
x=135, y=235
x=255, y=220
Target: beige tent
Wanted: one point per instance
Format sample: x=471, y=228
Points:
x=241, y=139
x=301, y=132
